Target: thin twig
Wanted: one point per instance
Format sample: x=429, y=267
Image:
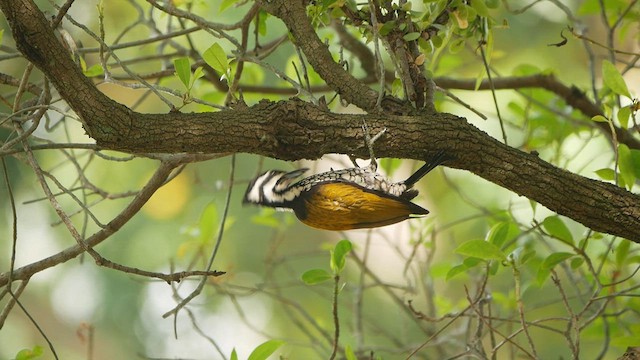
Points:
x=204, y=279
x=336, y=320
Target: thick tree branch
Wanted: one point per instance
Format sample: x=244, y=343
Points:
x=294, y=15
x=294, y=129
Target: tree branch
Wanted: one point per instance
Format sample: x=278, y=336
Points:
x=291, y=130
x=294, y=15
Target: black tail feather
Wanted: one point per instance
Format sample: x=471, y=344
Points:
x=439, y=158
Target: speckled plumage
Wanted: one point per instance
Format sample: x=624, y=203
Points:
x=341, y=199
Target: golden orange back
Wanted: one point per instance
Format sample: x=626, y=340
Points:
x=345, y=206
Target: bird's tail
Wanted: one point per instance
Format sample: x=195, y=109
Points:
x=439, y=158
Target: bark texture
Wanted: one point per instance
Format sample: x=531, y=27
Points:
x=294, y=129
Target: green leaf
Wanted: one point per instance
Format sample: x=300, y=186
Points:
x=197, y=74
x=386, y=28
x=492, y=4
x=606, y=174
x=315, y=276
x=183, y=70
x=94, y=70
x=554, y=259
x=626, y=166
x=234, y=355
x=458, y=269
x=481, y=249
x=542, y=275
x=208, y=222
x=412, y=36
x=264, y=350
x=349, y=354
x=480, y=7
x=622, y=251
x=215, y=57
x=338, y=255
x=263, y=16
x=521, y=255
x=599, y=118
x=613, y=79
x=623, y=116
x=557, y=228
x=635, y=161
x=28, y=354
x=499, y=233
x=226, y=3
x=576, y=262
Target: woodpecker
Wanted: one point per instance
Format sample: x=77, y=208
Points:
x=353, y=198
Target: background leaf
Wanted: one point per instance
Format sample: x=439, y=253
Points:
x=315, y=276
x=183, y=70
x=557, y=228
x=481, y=249
x=215, y=57
x=264, y=350
x=626, y=166
x=556, y=258
x=338, y=255
x=613, y=79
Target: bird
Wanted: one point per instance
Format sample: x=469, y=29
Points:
x=345, y=199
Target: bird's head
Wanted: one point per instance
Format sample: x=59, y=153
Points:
x=273, y=188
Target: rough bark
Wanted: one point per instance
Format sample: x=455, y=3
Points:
x=295, y=129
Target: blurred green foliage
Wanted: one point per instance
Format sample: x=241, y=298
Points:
x=479, y=264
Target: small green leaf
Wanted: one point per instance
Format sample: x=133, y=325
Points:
x=264, y=350
x=542, y=275
x=94, y=70
x=498, y=234
x=458, y=269
x=576, y=262
x=557, y=228
x=338, y=255
x=554, y=259
x=471, y=262
x=29, y=354
x=263, y=16
x=208, y=222
x=481, y=249
x=635, y=162
x=613, y=79
x=226, y=3
x=315, y=276
x=386, y=28
x=234, y=354
x=492, y=3
x=197, y=74
x=622, y=251
x=599, y=118
x=480, y=7
x=349, y=354
x=215, y=57
x=183, y=70
x=606, y=174
x=521, y=255
x=623, y=116
x=412, y=36
x=626, y=166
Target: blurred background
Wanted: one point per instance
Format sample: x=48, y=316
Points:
x=91, y=312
